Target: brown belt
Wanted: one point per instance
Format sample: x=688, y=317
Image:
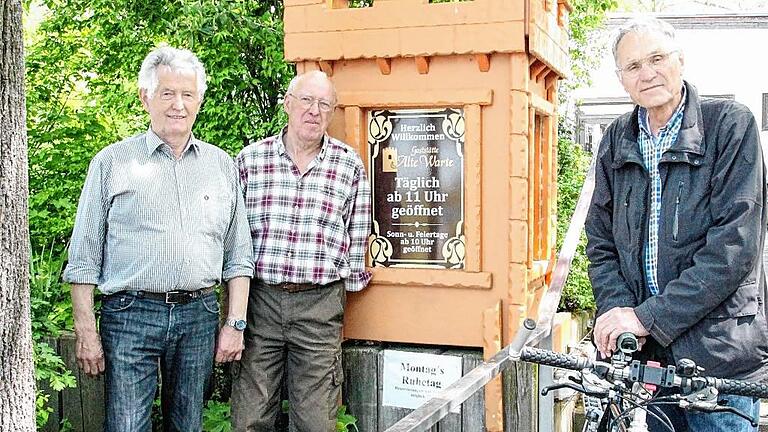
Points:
x=293, y=287
x=175, y=297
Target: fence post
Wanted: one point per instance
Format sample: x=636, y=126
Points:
x=546, y=403
x=83, y=406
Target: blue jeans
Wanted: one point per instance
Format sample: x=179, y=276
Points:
x=695, y=421
x=137, y=335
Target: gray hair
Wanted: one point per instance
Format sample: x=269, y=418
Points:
x=642, y=25
x=313, y=73
x=178, y=60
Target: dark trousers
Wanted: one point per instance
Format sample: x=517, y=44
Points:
x=296, y=335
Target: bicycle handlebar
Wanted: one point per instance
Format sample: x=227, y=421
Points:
x=737, y=387
x=554, y=359
x=605, y=370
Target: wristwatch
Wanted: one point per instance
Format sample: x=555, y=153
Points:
x=237, y=324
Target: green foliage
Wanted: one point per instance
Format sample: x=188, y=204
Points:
x=572, y=165
x=344, y=421
x=50, y=370
x=587, y=16
x=216, y=417
x=51, y=313
x=572, y=161
x=49, y=297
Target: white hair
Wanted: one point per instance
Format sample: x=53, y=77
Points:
x=179, y=60
x=643, y=24
x=313, y=73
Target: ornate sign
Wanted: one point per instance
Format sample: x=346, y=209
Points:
x=417, y=177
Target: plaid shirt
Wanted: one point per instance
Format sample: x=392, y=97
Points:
x=310, y=228
x=652, y=149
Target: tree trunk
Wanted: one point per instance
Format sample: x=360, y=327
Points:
x=17, y=384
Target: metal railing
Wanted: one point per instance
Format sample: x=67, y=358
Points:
x=530, y=333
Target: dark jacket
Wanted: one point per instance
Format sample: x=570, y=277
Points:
x=712, y=289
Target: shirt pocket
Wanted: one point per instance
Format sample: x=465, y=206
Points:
x=327, y=204
x=215, y=212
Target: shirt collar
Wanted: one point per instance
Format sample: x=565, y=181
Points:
x=644, y=121
x=154, y=142
x=280, y=145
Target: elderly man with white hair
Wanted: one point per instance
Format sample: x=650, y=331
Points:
x=676, y=226
x=160, y=223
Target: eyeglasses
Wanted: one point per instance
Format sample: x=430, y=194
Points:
x=306, y=102
x=654, y=61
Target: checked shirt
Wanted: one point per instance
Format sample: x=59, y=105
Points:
x=652, y=149
x=310, y=228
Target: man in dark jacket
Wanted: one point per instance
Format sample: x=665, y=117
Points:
x=677, y=223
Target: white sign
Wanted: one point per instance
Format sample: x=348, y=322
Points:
x=411, y=378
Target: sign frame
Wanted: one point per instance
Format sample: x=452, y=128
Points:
x=433, y=140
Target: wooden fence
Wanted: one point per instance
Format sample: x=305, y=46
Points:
x=83, y=406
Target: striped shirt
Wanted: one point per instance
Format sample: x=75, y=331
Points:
x=310, y=228
x=147, y=221
x=652, y=148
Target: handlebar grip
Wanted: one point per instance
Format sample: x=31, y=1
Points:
x=551, y=358
x=739, y=388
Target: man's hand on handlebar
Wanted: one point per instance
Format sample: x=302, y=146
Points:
x=611, y=324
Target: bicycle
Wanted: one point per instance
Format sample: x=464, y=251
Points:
x=626, y=390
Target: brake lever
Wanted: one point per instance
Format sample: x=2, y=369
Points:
x=572, y=386
x=710, y=407
x=732, y=410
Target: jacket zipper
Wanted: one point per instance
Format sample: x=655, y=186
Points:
x=676, y=221
x=626, y=211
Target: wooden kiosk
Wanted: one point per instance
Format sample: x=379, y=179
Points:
x=452, y=106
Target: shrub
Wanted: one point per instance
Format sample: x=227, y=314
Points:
x=51, y=313
x=572, y=165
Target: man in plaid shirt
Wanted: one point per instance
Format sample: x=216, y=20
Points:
x=308, y=204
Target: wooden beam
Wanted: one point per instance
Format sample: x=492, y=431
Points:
x=431, y=278
x=550, y=79
x=492, y=343
x=563, y=9
x=532, y=158
x=542, y=105
x=483, y=62
x=473, y=187
x=543, y=73
x=409, y=99
x=326, y=67
x=422, y=64
x=537, y=69
x=354, y=130
x=385, y=65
